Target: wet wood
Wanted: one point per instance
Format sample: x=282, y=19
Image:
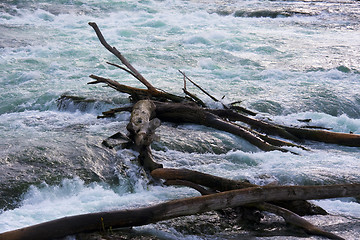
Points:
x=219, y=122
x=142, y=128
x=296, y=220
x=204, y=179
x=191, y=109
x=189, y=113
x=292, y=133
x=141, y=216
x=289, y=217
x=300, y=207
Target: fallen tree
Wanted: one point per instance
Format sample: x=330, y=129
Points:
x=176, y=208
x=150, y=107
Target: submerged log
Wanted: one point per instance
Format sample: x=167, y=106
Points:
x=296, y=220
x=141, y=216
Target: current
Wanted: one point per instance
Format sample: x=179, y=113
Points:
x=286, y=60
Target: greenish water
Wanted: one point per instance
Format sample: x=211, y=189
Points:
x=287, y=60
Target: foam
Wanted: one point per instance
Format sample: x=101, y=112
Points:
x=74, y=197
x=297, y=67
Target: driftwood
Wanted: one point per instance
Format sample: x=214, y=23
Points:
x=142, y=128
x=296, y=220
x=289, y=216
x=191, y=109
x=222, y=184
x=291, y=133
x=152, y=105
x=176, y=208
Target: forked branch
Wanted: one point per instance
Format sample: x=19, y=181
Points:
x=114, y=51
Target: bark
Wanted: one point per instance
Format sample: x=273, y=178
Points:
x=288, y=216
x=292, y=133
x=142, y=128
x=176, y=208
x=296, y=220
x=207, y=180
x=300, y=207
x=189, y=113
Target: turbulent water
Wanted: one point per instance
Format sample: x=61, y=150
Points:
x=287, y=60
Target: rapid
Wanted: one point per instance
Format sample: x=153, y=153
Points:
x=286, y=60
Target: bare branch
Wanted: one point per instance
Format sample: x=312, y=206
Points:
x=114, y=51
x=122, y=68
x=208, y=94
x=296, y=220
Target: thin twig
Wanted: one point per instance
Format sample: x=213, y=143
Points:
x=194, y=97
x=122, y=68
x=208, y=94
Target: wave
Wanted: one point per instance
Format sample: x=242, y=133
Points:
x=269, y=13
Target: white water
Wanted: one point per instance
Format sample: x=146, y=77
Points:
x=287, y=68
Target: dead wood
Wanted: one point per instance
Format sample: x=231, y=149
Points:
x=176, y=208
x=289, y=216
x=206, y=93
x=346, y=139
x=191, y=109
x=193, y=96
x=151, y=90
x=292, y=133
x=142, y=128
x=204, y=179
x=137, y=93
x=296, y=220
x=186, y=113
x=124, y=61
x=300, y=207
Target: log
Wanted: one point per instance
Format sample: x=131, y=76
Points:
x=189, y=113
x=346, y=139
x=296, y=220
x=292, y=133
x=289, y=217
x=142, y=128
x=300, y=207
x=141, y=216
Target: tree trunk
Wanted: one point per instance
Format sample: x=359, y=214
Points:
x=300, y=207
x=176, y=208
